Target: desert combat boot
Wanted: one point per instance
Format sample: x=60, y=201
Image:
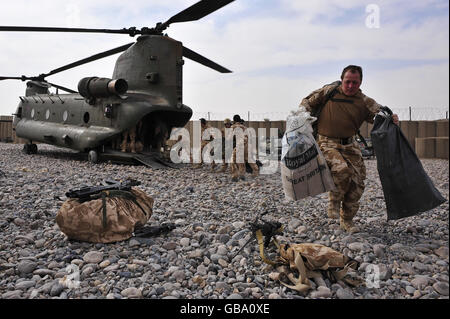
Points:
x=334, y=207
x=348, y=225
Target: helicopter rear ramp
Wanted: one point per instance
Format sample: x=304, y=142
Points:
x=150, y=159
x=153, y=160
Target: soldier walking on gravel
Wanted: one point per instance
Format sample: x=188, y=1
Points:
x=342, y=115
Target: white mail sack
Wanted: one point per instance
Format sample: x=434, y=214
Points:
x=304, y=171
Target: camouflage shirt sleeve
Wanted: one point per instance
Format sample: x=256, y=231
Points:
x=316, y=98
x=372, y=106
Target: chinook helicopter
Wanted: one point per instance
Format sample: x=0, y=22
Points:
x=124, y=118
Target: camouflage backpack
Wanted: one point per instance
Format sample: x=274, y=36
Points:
x=109, y=216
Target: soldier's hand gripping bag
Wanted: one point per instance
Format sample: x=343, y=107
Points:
x=304, y=171
x=111, y=217
x=407, y=188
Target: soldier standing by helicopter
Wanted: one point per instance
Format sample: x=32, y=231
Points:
x=238, y=164
x=129, y=140
x=203, y=126
x=227, y=135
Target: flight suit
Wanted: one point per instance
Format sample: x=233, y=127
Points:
x=340, y=119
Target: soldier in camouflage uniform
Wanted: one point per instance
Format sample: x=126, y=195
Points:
x=204, y=126
x=131, y=135
x=340, y=119
x=238, y=168
x=225, y=137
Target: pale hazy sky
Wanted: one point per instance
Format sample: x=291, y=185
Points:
x=279, y=50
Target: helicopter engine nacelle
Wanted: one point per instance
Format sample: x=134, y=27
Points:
x=36, y=87
x=93, y=87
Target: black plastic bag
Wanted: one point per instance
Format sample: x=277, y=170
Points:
x=407, y=188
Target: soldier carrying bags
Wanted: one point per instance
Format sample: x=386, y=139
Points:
x=344, y=109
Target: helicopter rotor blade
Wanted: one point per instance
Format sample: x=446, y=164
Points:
x=194, y=12
x=90, y=59
x=130, y=31
x=69, y=66
x=62, y=88
x=197, y=11
x=24, y=78
x=194, y=56
x=12, y=78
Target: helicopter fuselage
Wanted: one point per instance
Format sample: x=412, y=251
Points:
x=68, y=120
x=152, y=68
x=137, y=108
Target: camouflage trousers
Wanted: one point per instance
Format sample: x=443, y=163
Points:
x=127, y=142
x=224, y=162
x=348, y=171
x=202, y=147
x=238, y=169
x=129, y=135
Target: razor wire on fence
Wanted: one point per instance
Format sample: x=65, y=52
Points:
x=248, y=116
x=404, y=114
x=421, y=113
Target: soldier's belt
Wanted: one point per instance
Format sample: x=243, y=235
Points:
x=342, y=141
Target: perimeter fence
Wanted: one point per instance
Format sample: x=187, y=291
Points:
x=404, y=114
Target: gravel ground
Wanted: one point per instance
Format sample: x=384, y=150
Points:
x=210, y=212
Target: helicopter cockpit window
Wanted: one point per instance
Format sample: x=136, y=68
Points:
x=86, y=117
x=108, y=111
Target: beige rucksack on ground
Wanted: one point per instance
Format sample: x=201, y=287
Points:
x=112, y=216
x=310, y=260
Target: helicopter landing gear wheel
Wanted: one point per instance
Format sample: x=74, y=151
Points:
x=30, y=148
x=93, y=156
x=26, y=148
